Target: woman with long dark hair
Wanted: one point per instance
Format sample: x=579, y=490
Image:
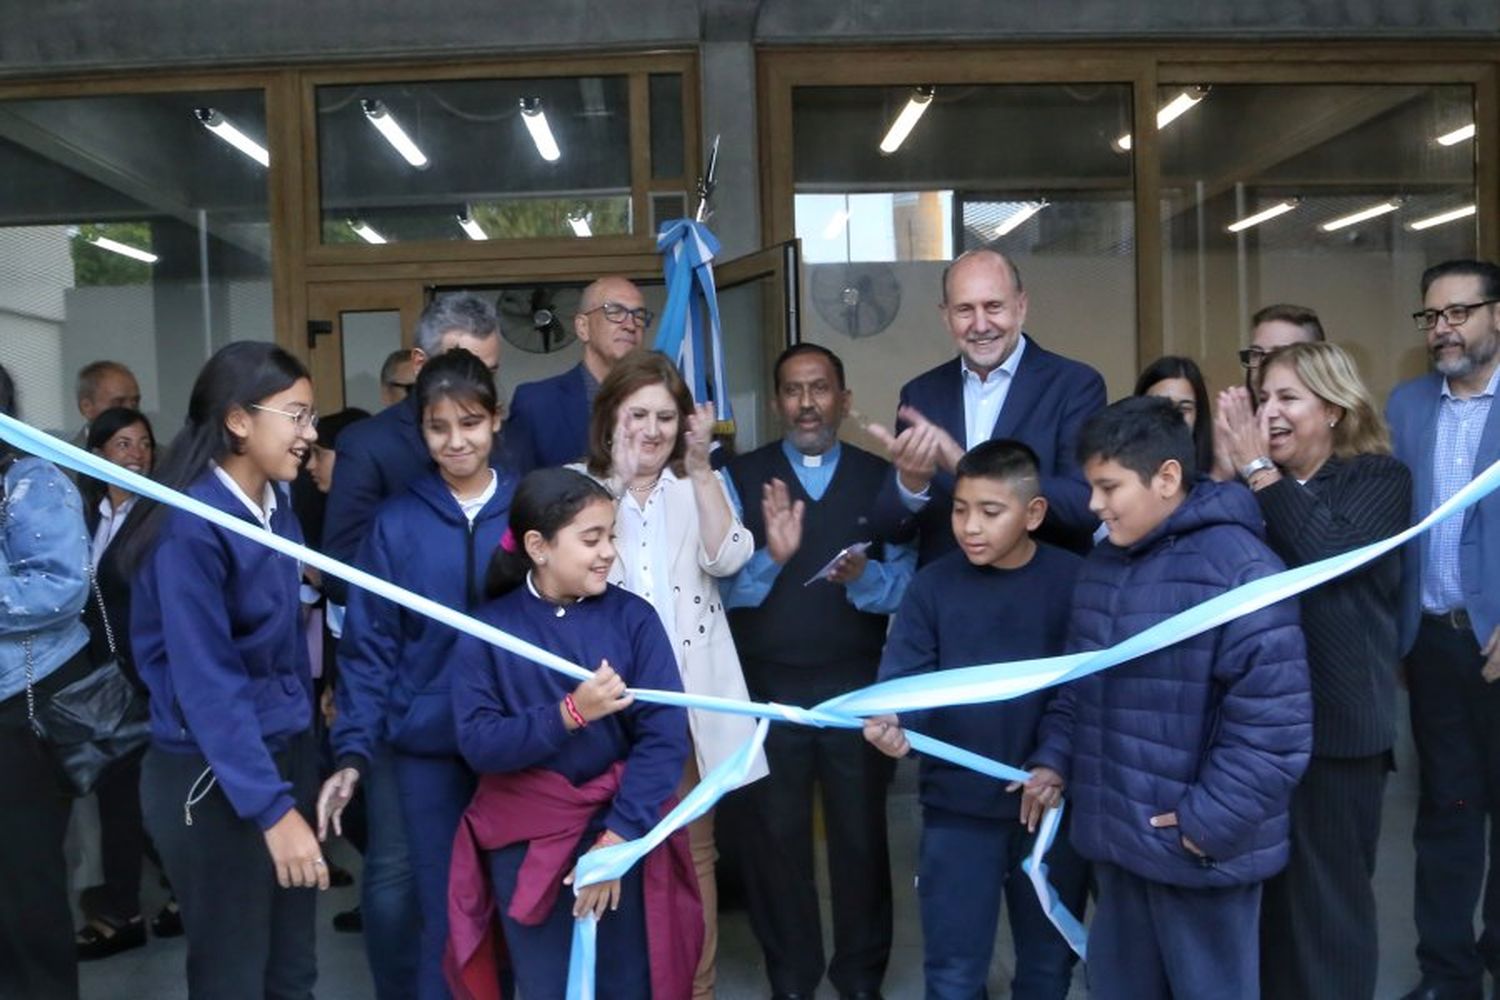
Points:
x=44, y=582
x=1180, y=381
x=228, y=783
x=112, y=911
x=434, y=539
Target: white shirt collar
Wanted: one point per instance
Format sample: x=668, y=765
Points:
x=267, y=507
x=1008, y=366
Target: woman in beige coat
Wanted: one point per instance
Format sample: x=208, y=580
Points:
x=676, y=535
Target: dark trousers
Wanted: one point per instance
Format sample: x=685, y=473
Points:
x=1152, y=941
x=248, y=938
x=539, y=953
x=122, y=843
x=1317, y=921
x=435, y=791
x=387, y=888
x=967, y=864
x=37, y=957
x=775, y=841
x=1455, y=721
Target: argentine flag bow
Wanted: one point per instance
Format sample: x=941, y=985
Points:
x=693, y=302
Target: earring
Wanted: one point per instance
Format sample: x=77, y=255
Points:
x=542, y=561
x=1333, y=423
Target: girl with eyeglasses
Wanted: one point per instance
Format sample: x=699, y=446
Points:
x=228, y=782
x=435, y=539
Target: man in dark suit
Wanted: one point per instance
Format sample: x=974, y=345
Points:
x=549, y=419
x=1003, y=384
x=1446, y=427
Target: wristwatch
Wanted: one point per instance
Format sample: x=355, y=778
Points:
x=1258, y=465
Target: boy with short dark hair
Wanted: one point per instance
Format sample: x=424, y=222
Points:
x=1001, y=596
x=1180, y=764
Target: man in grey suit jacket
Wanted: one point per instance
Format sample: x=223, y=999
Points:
x=1446, y=428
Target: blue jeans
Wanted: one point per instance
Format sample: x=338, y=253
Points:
x=966, y=865
x=388, y=892
x=435, y=791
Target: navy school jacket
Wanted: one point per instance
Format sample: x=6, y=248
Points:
x=1217, y=728
x=377, y=459
x=218, y=641
x=393, y=663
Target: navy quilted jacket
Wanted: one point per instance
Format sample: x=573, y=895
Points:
x=1217, y=728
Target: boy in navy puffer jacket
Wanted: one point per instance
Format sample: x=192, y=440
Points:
x=1179, y=764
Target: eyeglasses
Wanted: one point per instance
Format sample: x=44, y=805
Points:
x=616, y=313
x=302, y=418
x=1254, y=357
x=1456, y=315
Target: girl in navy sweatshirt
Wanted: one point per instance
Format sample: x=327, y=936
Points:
x=228, y=781
x=433, y=538
x=569, y=767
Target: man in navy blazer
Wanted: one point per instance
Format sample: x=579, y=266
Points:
x=549, y=420
x=1003, y=384
x=1446, y=427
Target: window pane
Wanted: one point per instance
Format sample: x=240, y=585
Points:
x=86, y=181
x=1028, y=170
x=1329, y=152
x=666, y=126
x=517, y=158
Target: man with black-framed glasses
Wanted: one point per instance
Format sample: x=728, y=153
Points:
x=549, y=420
x=1446, y=428
x=1275, y=326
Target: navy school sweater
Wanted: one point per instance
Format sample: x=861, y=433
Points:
x=507, y=707
x=218, y=641
x=393, y=663
x=956, y=614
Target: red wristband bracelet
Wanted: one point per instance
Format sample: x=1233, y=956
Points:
x=571, y=707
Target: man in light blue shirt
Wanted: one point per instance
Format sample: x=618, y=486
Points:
x=1446, y=428
x=809, y=615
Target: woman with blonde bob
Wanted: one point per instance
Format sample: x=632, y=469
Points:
x=677, y=535
x=1318, y=457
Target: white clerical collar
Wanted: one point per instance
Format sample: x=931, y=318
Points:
x=798, y=458
x=261, y=513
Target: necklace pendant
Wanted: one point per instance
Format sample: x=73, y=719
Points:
x=560, y=611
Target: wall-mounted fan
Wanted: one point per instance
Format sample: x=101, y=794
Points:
x=531, y=320
x=859, y=300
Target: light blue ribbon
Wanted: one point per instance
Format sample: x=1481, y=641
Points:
x=964, y=686
x=689, y=250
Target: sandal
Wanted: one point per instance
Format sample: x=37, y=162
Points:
x=100, y=938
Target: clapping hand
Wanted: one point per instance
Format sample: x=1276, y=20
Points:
x=700, y=435
x=918, y=451
x=1243, y=434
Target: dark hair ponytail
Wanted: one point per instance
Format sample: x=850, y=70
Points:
x=239, y=374
x=546, y=502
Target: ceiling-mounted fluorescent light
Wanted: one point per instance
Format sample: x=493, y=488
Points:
x=1457, y=136
x=1264, y=215
x=1441, y=217
x=222, y=127
x=836, y=224
x=1374, y=211
x=1168, y=113
x=541, y=133
x=916, y=107
x=380, y=116
x=580, y=223
x=123, y=249
x=364, y=232
x=1020, y=215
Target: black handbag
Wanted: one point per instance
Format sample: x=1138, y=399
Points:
x=92, y=722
